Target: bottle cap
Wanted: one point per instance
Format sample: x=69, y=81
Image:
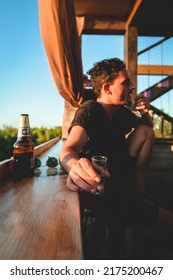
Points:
x=24, y=120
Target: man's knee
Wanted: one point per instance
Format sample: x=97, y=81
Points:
x=141, y=134
x=146, y=131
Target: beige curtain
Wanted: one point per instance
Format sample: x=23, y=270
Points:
x=61, y=41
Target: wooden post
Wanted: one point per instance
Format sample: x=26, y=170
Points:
x=171, y=130
x=162, y=126
x=130, y=53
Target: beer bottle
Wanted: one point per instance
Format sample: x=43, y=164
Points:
x=23, y=150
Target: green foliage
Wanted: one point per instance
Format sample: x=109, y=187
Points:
x=44, y=134
x=157, y=128
x=8, y=136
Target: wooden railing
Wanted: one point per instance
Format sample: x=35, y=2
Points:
x=6, y=165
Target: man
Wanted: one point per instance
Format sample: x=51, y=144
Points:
x=107, y=127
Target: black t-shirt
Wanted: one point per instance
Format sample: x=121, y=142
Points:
x=106, y=137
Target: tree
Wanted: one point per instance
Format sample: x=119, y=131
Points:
x=8, y=136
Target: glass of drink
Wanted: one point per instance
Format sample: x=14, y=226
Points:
x=99, y=163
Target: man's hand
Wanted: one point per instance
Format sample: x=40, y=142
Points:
x=83, y=177
x=141, y=104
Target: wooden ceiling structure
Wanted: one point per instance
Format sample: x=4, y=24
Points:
x=151, y=17
x=130, y=18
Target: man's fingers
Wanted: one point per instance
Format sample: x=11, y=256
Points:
x=107, y=174
x=142, y=108
x=79, y=181
x=101, y=170
x=90, y=172
x=83, y=176
x=71, y=185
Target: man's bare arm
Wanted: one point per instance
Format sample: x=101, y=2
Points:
x=81, y=174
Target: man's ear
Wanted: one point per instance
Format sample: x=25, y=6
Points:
x=106, y=88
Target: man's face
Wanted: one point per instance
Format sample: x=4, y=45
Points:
x=121, y=88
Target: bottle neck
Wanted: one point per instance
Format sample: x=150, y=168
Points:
x=24, y=127
x=23, y=132
x=24, y=138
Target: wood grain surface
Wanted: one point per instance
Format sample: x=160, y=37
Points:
x=39, y=217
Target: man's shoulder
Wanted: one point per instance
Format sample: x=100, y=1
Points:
x=85, y=115
x=89, y=105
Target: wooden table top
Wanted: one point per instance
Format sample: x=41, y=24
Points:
x=39, y=217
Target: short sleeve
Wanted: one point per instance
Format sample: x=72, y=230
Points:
x=83, y=117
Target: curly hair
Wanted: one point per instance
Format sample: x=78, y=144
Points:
x=104, y=71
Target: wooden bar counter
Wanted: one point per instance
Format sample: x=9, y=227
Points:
x=39, y=217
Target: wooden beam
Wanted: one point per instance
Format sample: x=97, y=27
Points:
x=103, y=25
x=159, y=88
x=154, y=69
x=133, y=12
x=154, y=45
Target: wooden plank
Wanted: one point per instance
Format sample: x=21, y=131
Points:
x=39, y=217
x=154, y=45
x=5, y=168
x=102, y=25
x=7, y=165
x=154, y=69
x=45, y=146
x=133, y=12
x=159, y=88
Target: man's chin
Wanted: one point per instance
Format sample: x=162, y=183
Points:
x=125, y=102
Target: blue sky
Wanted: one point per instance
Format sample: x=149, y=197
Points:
x=26, y=84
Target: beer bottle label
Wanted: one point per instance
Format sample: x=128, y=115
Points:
x=23, y=131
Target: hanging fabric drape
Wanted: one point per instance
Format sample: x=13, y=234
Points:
x=61, y=41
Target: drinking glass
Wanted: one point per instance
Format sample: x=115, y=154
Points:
x=99, y=163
